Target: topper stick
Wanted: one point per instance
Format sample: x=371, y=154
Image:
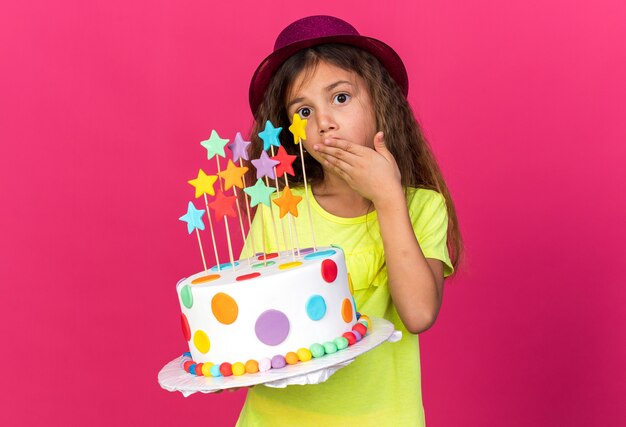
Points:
x=267, y=183
x=245, y=197
x=230, y=246
x=243, y=233
x=282, y=224
x=295, y=228
x=217, y=160
x=306, y=194
x=206, y=203
x=263, y=237
x=201, y=251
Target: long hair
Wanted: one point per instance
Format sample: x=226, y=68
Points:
x=403, y=135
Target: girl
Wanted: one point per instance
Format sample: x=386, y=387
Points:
x=375, y=190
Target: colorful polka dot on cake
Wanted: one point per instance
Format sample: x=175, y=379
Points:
x=329, y=270
x=201, y=341
x=224, y=308
x=185, y=325
x=186, y=296
x=346, y=310
x=316, y=307
x=272, y=327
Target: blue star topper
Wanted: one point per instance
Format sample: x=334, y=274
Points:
x=193, y=218
x=270, y=136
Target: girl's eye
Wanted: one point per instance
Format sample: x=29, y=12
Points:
x=304, y=112
x=341, y=98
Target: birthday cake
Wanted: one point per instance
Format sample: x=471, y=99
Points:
x=273, y=309
x=267, y=312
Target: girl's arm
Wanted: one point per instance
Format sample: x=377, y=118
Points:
x=415, y=282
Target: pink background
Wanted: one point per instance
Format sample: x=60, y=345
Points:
x=103, y=107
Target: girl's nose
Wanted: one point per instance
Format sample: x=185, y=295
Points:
x=325, y=122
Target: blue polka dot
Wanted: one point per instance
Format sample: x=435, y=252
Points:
x=192, y=369
x=224, y=266
x=316, y=307
x=320, y=254
x=187, y=354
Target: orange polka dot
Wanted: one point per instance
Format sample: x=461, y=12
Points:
x=346, y=310
x=205, y=279
x=224, y=308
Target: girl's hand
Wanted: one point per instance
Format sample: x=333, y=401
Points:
x=368, y=172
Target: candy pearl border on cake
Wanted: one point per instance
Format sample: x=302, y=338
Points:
x=227, y=369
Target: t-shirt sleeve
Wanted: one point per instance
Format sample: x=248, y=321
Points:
x=429, y=216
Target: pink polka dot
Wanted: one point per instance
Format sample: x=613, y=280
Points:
x=185, y=325
x=247, y=276
x=329, y=270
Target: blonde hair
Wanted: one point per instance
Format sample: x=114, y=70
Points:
x=403, y=135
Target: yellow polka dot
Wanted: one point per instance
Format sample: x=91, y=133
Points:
x=201, y=341
x=350, y=284
x=346, y=310
x=239, y=369
x=224, y=308
x=289, y=265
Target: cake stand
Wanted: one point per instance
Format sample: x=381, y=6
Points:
x=173, y=377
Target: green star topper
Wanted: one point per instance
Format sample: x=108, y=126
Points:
x=215, y=145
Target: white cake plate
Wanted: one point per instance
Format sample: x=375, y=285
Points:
x=174, y=378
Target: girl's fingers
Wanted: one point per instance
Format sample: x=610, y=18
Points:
x=337, y=153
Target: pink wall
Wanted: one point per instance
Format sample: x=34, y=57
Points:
x=103, y=106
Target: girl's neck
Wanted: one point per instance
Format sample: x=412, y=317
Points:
x=335, y=196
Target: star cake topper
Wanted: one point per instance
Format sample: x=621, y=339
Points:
x=288, y=203
x=223, y=206
x=204, y=184
x=239, y=148
x=233, y=175
x=270, y=135
x=259, y=193
x=285, y=162
x=298, y=128
x=264, y=166
x=214, y=145
x=193, y=218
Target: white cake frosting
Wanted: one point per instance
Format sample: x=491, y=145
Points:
x=288, y=304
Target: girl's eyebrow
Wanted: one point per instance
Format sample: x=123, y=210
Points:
x=327, y=88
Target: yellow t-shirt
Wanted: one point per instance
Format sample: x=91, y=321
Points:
x=382, y=386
